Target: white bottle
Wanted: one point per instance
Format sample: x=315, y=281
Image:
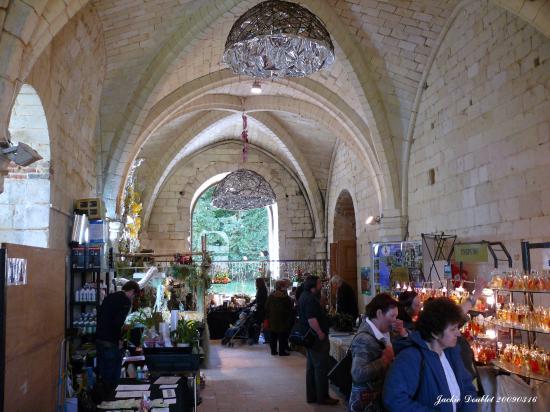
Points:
x=77, y=295
x=92, y=295
x=139, y=373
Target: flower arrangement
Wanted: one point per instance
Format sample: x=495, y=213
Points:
x=221, y=278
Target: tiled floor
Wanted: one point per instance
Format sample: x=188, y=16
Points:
x=248, y=379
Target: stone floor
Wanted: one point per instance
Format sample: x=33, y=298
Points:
x=248, y=379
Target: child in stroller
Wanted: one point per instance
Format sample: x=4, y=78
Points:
x=246, y=328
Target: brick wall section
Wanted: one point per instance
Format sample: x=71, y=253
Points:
x=169, y=225
x=68, y=77
x=484, y=127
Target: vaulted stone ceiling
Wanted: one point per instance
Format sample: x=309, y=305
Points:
x=163, y=69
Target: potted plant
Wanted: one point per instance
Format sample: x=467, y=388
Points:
x=186, y=334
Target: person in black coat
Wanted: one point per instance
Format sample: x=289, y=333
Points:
x=346, y=301
x=259, y=316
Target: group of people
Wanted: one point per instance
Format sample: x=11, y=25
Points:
x=403, y=358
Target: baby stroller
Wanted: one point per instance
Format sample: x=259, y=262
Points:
x=244, y=329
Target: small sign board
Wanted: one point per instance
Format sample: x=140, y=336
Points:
x=471, y=252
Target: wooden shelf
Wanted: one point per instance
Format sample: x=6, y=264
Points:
x=521, y=372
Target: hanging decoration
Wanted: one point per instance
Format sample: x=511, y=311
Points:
x=278, y=39
x=131, y=212
x=243, y=190
x=244, y=137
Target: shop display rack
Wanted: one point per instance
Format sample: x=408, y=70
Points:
x=520, y=371
x=86, y=268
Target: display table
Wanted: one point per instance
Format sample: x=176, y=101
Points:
x=184, y=400
x=339, y=344
x=219, y=320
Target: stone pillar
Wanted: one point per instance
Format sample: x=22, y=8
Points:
x=320, y=247
x=393, y=226
x=4, y=163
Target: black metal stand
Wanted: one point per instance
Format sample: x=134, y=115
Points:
x=440, y=243
x=526, y=247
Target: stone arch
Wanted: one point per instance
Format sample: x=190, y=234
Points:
x=173, y=155
x=129, y=129
x=289, y=193
x=25, y=204
x=337, y=116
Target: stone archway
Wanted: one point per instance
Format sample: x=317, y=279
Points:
x=343, y=250
x=25, y=202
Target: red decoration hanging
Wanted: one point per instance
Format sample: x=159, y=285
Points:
x=244, y=137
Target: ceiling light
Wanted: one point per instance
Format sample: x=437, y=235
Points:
x=243, y=190
x=256, y=88
x=373, y=220
x=22, y=154
x=278, y=39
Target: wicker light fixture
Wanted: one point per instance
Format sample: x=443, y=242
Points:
x=278, y=39
x=243, y=190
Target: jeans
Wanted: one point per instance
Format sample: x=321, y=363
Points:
x=282, y=338
x=109, y=362
x=317, y=370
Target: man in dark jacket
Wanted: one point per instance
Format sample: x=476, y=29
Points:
x=110, y=319
x=312, y=315
x=346, y=301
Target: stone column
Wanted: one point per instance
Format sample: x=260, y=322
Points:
x=4, y=163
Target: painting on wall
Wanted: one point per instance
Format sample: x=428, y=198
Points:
x=366, y=281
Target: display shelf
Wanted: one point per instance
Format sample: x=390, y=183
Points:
x=521, y=372
x=521, y=290
x=513, y=326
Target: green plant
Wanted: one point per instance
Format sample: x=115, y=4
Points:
x=187, y=331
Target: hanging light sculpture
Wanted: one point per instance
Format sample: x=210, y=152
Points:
x=278, y=39
x=243, y=190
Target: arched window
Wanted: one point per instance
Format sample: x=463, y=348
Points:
x=25, y=202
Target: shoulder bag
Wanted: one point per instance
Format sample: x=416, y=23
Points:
x=300, y=337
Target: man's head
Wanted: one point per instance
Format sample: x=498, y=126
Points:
x=312, y=284
x=131, y=288
x=336, y=280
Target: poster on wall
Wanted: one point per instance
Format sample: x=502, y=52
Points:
x=17, y=272
x=396, y=262
x=366, y=281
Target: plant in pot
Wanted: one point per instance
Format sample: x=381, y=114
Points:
x=186, y=334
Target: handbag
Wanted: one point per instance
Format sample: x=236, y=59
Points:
x=300, y=338
x=340, y=374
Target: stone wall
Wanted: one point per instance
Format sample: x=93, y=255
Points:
x=68, y=77
x=169, y=225
x=484, y=129
x=25, y=202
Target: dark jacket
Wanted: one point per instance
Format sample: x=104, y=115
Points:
x=111, y=316
x=261, y=299
x=278, y=311
x=346, y=301
x=367, y=368
x=309, y=307
x=416, y=379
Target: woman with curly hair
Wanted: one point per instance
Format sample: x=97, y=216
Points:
x=429, y=374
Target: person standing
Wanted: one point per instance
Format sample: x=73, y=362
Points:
x=430, y=373
x=279, y=313
x=311, y=315
x=372, y=354
x=259, y=316
x=346, y=301
x=110, y=320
